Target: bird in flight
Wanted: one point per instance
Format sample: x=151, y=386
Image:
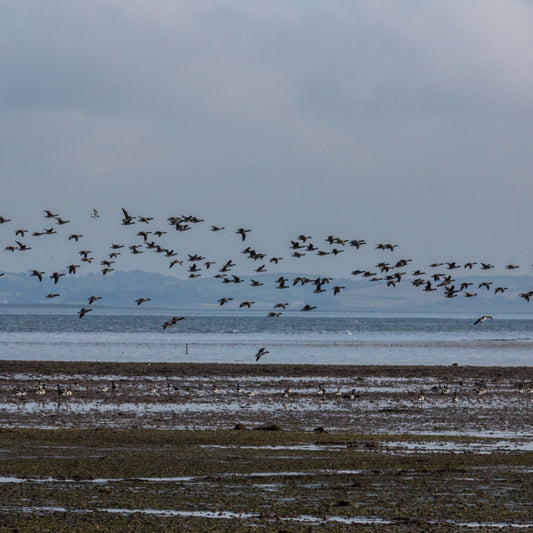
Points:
x=482, y=319
x=37, y=274
x=83, y=311
x=242, y=232
x=260, y=352
x=172, y=321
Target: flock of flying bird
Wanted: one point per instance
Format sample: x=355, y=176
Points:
x=148, y=240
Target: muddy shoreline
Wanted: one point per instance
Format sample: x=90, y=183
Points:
x=294, y=370
x=218, y=447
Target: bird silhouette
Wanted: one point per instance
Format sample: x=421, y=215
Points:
x=83, y=311
x=37, y=274
x=242, y=232
x=482, y=319
x=172, y=321
x=260, y=353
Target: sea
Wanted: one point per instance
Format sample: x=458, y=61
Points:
x=119, y=335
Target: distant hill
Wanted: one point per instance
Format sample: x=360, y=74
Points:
x=122, y=288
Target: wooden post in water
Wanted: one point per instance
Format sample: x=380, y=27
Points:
x=186, y=349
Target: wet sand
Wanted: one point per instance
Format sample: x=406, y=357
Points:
x=230, y=447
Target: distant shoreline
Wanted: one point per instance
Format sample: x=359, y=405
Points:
x=260, y=369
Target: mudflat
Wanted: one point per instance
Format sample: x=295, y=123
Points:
x=207, y=447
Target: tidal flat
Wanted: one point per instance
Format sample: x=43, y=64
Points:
x=188, y=447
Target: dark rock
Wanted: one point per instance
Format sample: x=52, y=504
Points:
x=272, y=427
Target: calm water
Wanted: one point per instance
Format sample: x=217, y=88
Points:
x=289, y=339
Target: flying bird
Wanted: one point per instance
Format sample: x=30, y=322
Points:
x=261, y=352
x=242, y=232
x=127, y=219
x=482, y=319
x=55, y=276
x=37, y=274
x=172, y=321
x=83, y=311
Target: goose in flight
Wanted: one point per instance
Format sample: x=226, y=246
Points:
x=175, y=262
x=83, y=311
x=55, y=276
x=482, y=319
x=172, y=321
x=93, y=299
x=95, y=214
x=242, y=232
x=37, y=274
x=260, y=352
x=139, y=301
x=526, y=295
x=127, y=219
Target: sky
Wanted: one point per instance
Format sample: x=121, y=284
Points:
x=403, y=122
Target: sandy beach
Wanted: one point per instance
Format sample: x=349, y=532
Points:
x=200, y=447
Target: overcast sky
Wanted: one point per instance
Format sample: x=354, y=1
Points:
x=404, y=122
